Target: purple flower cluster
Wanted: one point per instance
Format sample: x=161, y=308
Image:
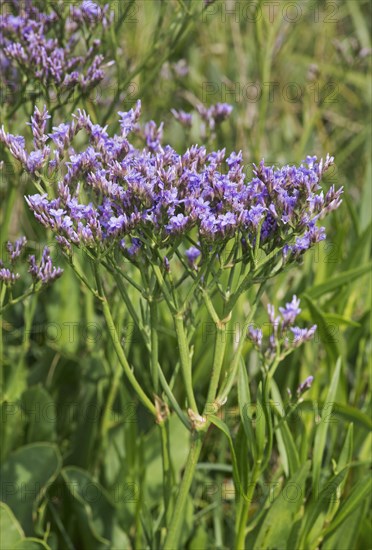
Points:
x=215, y=114
x=305, y=385
x=283, y=337
x=111, y=190
x=45, y=272
x=302, y=387
x=31, y=44
x=183, y=118
x=192, y=254
x=15, y=249
x=8, y=275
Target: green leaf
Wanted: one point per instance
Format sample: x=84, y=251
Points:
x=346, y=454
x=242, y=454
x=334, y=318
x=360, y=253
x=316, y=510
x=12, y=424
x=345, y=535
x=25, y=475
x=322, y=429
x=65, y=307
x=10, y=529
x=324, y=330
x=40, y=411
x=361, y=490
x=286, y=444
x=97, y=523
x=30, y=543
x=260, y=422
x=277, y=525
x=179, y=437
x=220, y=424
x=343, y=411
x=200, y=539
x=344, y=461
x=360, y=25
x=244, y=401
x=12, y=535
x=337, y=282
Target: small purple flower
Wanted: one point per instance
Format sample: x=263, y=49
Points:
x=177, y=223
x=128, y=120
x=279, y=340
x=90, y=13
x=304, y=386
x=256, y=215
x=63, y=134
x=8, y=277
x=192, y=254
x=235, y=159
x=15, y=250
x=215, y=114
x=117, y=224
x=36, y=160
x=135, y=247
x=220, y=112
x=45, y=272
x=181, y=68
x=153, y=136
x=290, y=311
x=255, y=335
x=38, y=125
x=183, y=118
x=302, y=335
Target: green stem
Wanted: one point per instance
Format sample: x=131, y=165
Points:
x=9, y=211
x=268, y=417
x=167, y=467
x=173, y=401
x=231, y=375
x=2, y=296
x=185, y=360
x=242, y=521
x=172, y=539
x=154, y=344
x=19, y=299
x=79, y=273
x=109, y=404
x=142, y=331
x=219, y=352
x=119, y=350
x=29, y=313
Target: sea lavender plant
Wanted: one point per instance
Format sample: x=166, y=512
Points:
x=182, y=230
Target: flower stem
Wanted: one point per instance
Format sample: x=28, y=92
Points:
x=172, y=539
x=114, y=385
x=142, y=331
x=218, y=356
x=185, y=360
x=167, y=467
x=2, y=296
x=119, y=350
x=154, y=344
